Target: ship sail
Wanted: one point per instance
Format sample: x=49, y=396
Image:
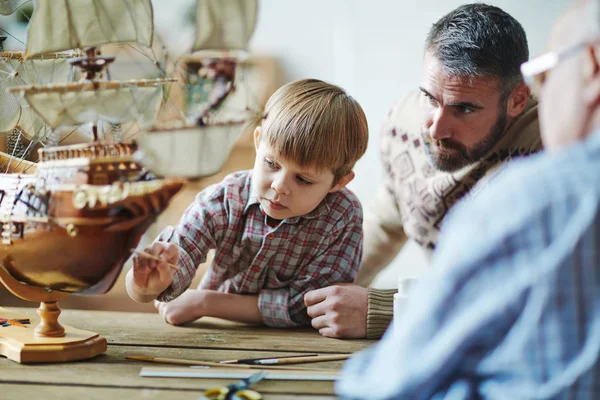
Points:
x=188, y=150
x=89, y=23
x=79, y=103
x=224, y=24
x=215, y=96
x=14, y=72
x=8, y=7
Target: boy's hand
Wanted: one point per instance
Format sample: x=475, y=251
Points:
x=185, y=308
x=152, y=277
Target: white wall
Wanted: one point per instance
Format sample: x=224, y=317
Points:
x=372, y=48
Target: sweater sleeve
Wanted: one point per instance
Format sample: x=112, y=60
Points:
x=380, y=311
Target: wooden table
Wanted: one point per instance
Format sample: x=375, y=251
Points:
x=110, y=375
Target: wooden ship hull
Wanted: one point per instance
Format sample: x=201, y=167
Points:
x=70, y=225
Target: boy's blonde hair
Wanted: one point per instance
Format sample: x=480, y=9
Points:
x=316, y=124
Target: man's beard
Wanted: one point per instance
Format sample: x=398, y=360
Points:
x=463, y=156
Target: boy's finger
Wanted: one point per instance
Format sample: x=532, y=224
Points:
x=172, y=252
x=156, y=248
x=163, y=269
x=140, y=263
x=315, y=296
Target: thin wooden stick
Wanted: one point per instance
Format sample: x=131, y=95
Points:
x=218, y=365
x=255, y=360
x=302, y=360
x=153, y=257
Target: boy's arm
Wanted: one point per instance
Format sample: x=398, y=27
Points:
x=201, y=227
x=194, y=304
x=234, y=307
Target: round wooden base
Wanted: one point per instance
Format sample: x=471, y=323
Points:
x=24, y=346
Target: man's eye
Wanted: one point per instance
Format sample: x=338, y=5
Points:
x=303, y=181
x=464, y=110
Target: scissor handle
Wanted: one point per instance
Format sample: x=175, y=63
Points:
x=237, y=391
x=227, y=394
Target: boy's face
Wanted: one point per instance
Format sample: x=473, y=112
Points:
x=286, y=190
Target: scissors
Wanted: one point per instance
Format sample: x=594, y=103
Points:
x=237, y=391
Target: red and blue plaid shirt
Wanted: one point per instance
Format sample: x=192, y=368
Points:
x=279, y=263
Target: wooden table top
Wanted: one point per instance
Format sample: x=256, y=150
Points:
x=208, y=339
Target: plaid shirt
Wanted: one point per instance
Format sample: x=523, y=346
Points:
x=514, y=312
x=280, y=263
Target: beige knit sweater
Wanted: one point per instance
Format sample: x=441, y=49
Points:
x=415, y=197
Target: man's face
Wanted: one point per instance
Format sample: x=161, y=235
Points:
x=284, y=189
x=461, y=119
x=562, y=111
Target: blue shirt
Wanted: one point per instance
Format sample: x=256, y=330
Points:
x=514, y=310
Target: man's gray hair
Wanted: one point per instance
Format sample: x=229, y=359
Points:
x=478, y=40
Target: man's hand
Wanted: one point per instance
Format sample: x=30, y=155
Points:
x=185, y=308
x=339, y=311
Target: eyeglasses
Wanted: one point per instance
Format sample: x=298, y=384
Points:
x=536, y=71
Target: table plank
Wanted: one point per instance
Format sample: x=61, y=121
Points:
x=112, y=370
x=71, y=392
x=145, y=329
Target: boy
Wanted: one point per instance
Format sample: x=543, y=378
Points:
x=280, y=230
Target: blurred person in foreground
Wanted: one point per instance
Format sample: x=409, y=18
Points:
x=517, y=316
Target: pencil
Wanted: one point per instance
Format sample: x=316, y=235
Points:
x=153, y=257
x=302, y=360
x=255, y=360
x=214, y=364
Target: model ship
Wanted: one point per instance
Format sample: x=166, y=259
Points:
x=216, y=105
x=71, y=217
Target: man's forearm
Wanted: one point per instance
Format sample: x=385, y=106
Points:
x=234, y=307
x=383, y=237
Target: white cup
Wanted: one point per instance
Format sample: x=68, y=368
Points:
x=400, y=299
